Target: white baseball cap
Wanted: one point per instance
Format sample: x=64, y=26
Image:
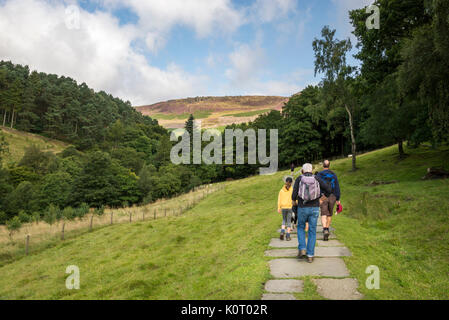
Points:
x=307, y=168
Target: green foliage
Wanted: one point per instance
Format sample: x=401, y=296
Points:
x=425, y=70
x=82, y=210
x=24, y=217
x=40, y=162
x=339, y=85
x=22, y=198
x=129, y=158
x=392, y=118
x=56, y=188
x=99, y=211
x=13, y=225
x=379, y=50
x=3, y=147
x=3, y=217
x=69, y=213
x=52, y=214
x=104, y=182
x=21, y=174
x=36, y=216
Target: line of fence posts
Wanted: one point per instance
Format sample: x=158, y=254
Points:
x=178, y=212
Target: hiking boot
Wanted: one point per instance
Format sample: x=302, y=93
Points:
x=281, y=237
x=302, y=254
x=309, y=259
x=326, y=234
x=288, y=238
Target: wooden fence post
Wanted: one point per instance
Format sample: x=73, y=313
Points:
x=112, y=217
x=27, y=244
x=130, y=216
x=143, y=215
x=63, y=227
x=91, y=222
x=155, y=214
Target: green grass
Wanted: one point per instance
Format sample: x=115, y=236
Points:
x=402, y=228
x=200, y=114
x=216, y=250
x=248, y=114
x=18, y=141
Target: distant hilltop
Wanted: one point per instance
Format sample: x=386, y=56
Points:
x=213, y=111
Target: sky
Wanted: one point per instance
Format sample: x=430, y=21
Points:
x=146, y=51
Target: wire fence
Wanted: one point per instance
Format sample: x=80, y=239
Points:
x=35, y=236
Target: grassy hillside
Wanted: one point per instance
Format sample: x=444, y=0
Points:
x=18, y=141
x=213, y=111
x=216, y=250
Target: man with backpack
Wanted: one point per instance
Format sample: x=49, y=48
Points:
x=306, y=195
x=329, y=199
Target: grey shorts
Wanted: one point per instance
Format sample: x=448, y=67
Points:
x=287, y=217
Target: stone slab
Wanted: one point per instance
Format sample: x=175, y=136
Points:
x=294, y=268
x=277, y=243
x=284, y=286
x=278, y=296
x=325, y=252
x=330, y=243
x=338, y=289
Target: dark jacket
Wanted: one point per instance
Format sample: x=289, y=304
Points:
x=315, y=203
x=336, y=189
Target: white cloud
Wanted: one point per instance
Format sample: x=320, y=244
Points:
x=99, y=53
x=205, y=17
x=246, y=62
x=111, y=57
x=265, y=11
x=247, y=70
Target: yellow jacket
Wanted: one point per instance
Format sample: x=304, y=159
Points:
x=285, y=198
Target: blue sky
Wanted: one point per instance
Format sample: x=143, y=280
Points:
x=149, y=51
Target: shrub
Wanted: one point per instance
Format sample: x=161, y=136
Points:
x=52, y=214
x=13, y=225
x=36, y=216
x=69, y=213
x=82, y=210
x=24, y=217
x=3, y=217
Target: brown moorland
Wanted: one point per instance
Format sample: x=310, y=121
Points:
x=213, y=111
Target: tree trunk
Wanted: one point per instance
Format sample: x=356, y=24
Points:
x=12, y=118
x=354, y=147
x=4, y=118
x=401, y=148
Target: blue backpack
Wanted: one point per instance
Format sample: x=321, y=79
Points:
x=329, y=179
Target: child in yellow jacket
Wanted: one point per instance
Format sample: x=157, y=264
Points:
x=285, y=208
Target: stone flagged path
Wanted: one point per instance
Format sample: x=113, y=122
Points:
x=279, y=286
x=327, y=266
x=325, y=252
x=321, y=267
x=278, y=296
x=338, y=289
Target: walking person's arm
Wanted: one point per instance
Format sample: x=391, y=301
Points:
x=279, y=203
x=337, y=190
x=295, y=192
